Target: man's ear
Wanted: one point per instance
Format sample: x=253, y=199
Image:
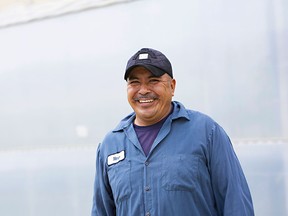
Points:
x=173, y=86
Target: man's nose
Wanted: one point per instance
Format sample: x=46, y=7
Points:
x=144, y=88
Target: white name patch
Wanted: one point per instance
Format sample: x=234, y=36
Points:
x=115, y=158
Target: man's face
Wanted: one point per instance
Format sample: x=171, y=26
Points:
x=149, y=96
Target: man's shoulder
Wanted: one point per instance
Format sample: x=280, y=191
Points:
x=191, y=114
x=111, y=142
x=113, y=134
x=125, y=122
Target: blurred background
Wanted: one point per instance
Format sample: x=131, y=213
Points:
x=62, y=89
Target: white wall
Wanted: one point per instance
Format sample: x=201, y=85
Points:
x=64, y=75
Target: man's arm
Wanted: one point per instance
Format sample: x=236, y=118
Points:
x=229, y=184
x=103, y=203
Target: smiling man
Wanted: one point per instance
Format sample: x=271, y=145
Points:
x=150, y=96
x=164, y=159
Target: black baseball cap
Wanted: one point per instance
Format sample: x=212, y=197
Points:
x=153, y=60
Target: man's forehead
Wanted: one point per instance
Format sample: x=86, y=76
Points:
x=140, y=71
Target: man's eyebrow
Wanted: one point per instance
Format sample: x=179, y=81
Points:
x=153, y=76
x=132, y=77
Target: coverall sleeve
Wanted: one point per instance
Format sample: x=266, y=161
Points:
x=229, y=184
x=103, y=203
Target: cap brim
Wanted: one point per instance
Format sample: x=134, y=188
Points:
x=154, y=70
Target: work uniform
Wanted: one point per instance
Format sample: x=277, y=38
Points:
x=191, y=169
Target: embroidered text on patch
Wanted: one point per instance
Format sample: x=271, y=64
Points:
x=115, y=158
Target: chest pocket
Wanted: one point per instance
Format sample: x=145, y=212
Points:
x=119, y=178
x=180, y=172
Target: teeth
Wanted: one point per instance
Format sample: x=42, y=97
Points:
x=146, y=101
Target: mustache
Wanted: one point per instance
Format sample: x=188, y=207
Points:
x=145, y=97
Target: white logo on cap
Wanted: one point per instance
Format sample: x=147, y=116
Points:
x=143, y=56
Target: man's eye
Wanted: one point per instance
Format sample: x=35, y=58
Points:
x=134, y=82
x=154, y=81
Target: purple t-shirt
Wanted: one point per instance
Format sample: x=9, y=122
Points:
x=147, y=134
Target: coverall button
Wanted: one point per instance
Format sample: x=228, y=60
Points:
x=147, y=214
x=146, y=163
x=147, y=188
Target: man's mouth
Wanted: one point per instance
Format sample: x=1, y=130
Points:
x=145, y=100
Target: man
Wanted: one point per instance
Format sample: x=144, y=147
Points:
x=163, y=159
